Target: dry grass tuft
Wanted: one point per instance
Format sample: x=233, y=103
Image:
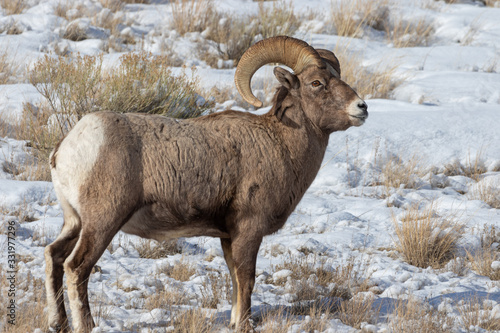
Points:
x=30, y=311
x=409, y=33
x=412, y=315
x=195, y=320
x=487, y=191
x=13, y=7
x=182, y=270
x=425, y=239
x=136, y=1
x=8, y=69
x=397, y=172
x=192, y=15
x=317, y=316
x=476, y=313
x=112, y=5
x=491, y=3
x=166, y=299
x=312, y=278
x=215, y=289
x=71, y=10
x=278, y=19
x=474, y=167
x=151, y=249
x=75, y=32
x=349, y=17
x=357, y=310
x=231, y=37
x=275, y=321
x=368, y=84
x=482, y=259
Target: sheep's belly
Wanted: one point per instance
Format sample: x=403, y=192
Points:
x=144, y=225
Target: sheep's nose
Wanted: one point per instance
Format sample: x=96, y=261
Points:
x=363, y=106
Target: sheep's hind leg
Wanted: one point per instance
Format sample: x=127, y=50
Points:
x=91, y=244
x=228, y=256
x=55, y=254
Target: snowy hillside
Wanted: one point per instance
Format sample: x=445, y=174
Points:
x=429, y=152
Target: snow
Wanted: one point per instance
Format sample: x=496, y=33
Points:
x=447, y=111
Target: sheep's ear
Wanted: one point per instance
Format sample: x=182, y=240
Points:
x=287, y=79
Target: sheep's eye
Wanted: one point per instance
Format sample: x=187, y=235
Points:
x=316, y=84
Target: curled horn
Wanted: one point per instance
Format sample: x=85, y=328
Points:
x=288, y=51
x=331, y=61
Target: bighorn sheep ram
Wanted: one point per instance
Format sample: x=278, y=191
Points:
x=232, y=175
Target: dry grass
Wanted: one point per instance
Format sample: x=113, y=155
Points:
x=316, y=318
x=74, y=9
x=275, y=321
x=409, y=33
x=474, y=313
x=136, y=1
x=215, y=289
x=195, y=321
x=113, y=5
x=487, y=191
x=378, y=83
x=222, y=94
x=151, y=249
x=110, y=21
x=412, y=315
x=349, y=17
x=33, y=127
x=491, y=3
x=397, y=173
x=8, y=69
x=166, y=299
x=425, y=239
x=278, y=19
x=358, y=310
x=22, y=213
x=181, y=270
x=13, y=7
x=12, y=27
x=482, y=259
x=231, y=37
x=30, y=311
x=312, y=278
x=474, y=28
x=192, y=15
x=75, y=32
x=474, y=166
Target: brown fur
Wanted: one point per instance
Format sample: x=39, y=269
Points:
x=232, y=175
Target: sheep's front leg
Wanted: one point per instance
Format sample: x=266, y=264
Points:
x=228, y=256
x=244, y=250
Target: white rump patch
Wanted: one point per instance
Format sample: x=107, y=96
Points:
x=76, y=157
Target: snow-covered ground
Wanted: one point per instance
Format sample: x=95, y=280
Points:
x=446, y=112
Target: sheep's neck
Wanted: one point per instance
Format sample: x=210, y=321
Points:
x=306, y=145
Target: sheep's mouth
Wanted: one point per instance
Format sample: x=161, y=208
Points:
x=361, y=118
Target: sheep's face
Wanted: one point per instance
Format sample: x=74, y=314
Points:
x=325, y=99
